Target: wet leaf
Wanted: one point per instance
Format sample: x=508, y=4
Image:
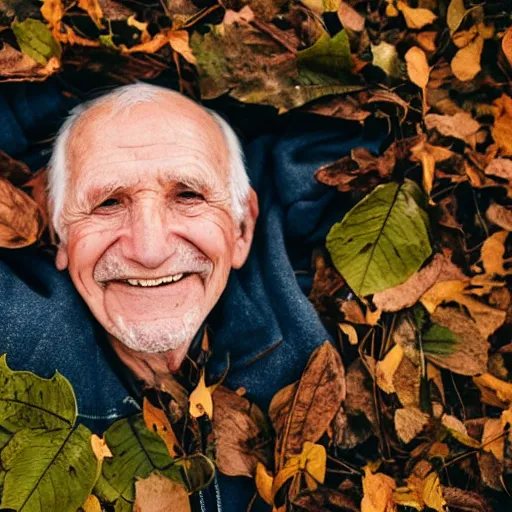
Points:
x=41, y=463
x=36, y=40
x=156, y=493
x=372, y=260
x=20, y=219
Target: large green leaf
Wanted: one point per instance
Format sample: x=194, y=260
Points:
x=27, y=400
x=383, y=240
x=48, y=470
x=36, y=40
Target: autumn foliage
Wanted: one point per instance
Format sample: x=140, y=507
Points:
x=411, y=406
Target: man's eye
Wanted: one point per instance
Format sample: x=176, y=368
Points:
x=190, y=194
x=108, y=203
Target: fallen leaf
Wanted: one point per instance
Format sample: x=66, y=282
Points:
x=501, y=168
x=350, y=332
x=157, y=421
x=156, y=493
x=493, y=438
x=433, y=494
x=91, y=504
x=492, y=254
x=238, y=438
x=407, y=294
x=93, y=9
x=36, y=40
x=506, y=45
x=500, y=215
x=415, y=18
x=245, y=14
x=386, y=369
x=458, y=431
x=466, y=63
x=461, y=125
x=427, y=40
x=465, y=500
x=502, y=127
x=417, y=67
x=386, y=58
x=409, y=422
x=320, y=391
x=407, y=383
x=179, y=41
x=455, y=14
x=200, y=400
x=350, y=18
x=377, y=492
x=21, y=221
x=491, y=470
x=352, y=312
x=100, y=447
x=502, y=389
x=264, y=482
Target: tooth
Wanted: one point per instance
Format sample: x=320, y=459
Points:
x=177, y=277
x=133, y=282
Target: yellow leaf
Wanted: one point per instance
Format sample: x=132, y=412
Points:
x=350, y=331
x=157, y=421
x=52, y=11
x=417, y=66
x=385, y=57
x=492, y=253
x=313, y=460
x=377, y=492
x=290, y=469
x=432, y=493
x=493, y=440
x=179, y=41
x=387, y=367
x=466, y=63
x=93, y=8
x=455, y=14
x=415, y=17
x=200, y=399
x=100, y=447
x=264, y=482
x=91, y=504
x=502, y=128
x=502, y=389
x=391, y=10
x=139, y=25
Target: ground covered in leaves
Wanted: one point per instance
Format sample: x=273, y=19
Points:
x=411, y=408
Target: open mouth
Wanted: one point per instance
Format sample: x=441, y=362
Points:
x=152, y=283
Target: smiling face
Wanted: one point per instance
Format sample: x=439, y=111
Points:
x=150, y=234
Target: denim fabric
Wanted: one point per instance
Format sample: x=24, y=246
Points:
x=263, y=320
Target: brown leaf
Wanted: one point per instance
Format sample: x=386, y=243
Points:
x=501, y=168
x=377, y=492
x=500, y=215
x=506, y=45
x=427, y=40
x=361, y=170
x=339, y=107
x=244, y=15
x=326, y=282
x=470, y=355
x=406, y=382
x=324, y=499
x=465, y=500
x=385, y=369
x=352, y=312
x=179, y=41
x=417, y=67
x=493, y=438
x=455, y=14
x=21, y=221
x=409, y=422
x=495, y=391
x=350, y=18
x=389, y=97
x=159, y=494
x=466, y=63
x=461, y=125
x=415, y=17
x=238, y=437
x=13, y=170
x=491, y=470
x=320, y=391
x=407, y=294
x=492, y=254
x=502, y=128
x=360, y=399
x=16, y=65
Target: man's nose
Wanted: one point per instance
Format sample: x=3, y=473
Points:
x=147, y=239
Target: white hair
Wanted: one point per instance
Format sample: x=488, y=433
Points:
x=122, y=99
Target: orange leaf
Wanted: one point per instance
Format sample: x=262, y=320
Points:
x=91, y=504
x=179, y=41
x=415, y=17
x=93, y=8
x=264, y=482
x=100, y=447
x=377, y=492
x=506, y=45
x=466, y=63
x=157, y=421
x=417, y=66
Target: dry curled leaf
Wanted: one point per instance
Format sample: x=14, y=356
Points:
x=21, y=221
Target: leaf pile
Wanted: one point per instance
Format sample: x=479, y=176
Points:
x=411, y=407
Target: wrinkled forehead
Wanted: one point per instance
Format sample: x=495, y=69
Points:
x=159, y=129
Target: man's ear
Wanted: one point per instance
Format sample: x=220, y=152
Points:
x=246, y=230
x=61, y=262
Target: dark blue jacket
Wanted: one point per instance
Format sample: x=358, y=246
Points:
x=263, y=320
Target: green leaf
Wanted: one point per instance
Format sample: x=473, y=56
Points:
x=383, y=240
x=122, y=505
x=48, y=470
x=27, y=400
x=137, y=452
x=36, y=40
x=329, y=55
x=439, y=340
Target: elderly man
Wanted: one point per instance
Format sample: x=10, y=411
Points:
x=156, y=218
